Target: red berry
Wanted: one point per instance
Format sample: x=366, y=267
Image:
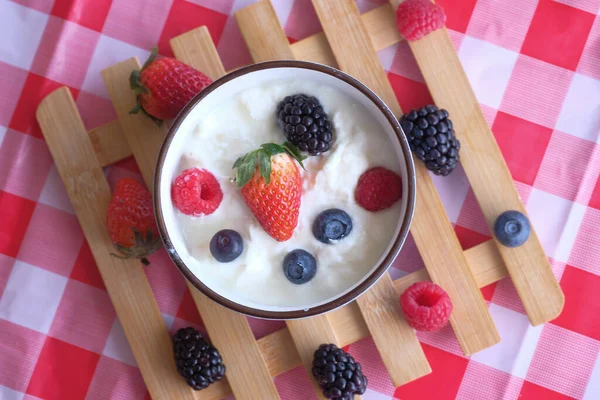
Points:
x=417, y=18
x=426, y=306
x=378, y=189
x=196, y=192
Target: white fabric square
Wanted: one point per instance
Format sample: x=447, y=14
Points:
x=452, y=190
x=21, y=29
x=580, y=113
x=2, y=133
x=109, y=52
x=519, y=339
x=387, y=55
x=9, y=394
x=592, y=392
x=556, y=230
x=488, y=68
x=31, y=297
x=117, y=346
x=54, y=193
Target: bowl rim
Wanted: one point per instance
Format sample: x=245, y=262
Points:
x=339, y=301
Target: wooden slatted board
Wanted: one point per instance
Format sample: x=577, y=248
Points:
x=349, y=42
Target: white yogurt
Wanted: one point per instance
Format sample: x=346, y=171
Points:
x=242, y=124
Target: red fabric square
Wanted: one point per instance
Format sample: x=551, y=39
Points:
x=488, y=291
x=458, y=13
x=116, y=380
x=185, y=16
x=584, y=254
x=63, y=371
x=410, y=94
x=80, y=12
x=443, y=382
x=12, y=80
x=523, y=145
x=557, y=34
x=25, y=163
x=85, y=269
x=188, y=311
x=595, y=199
x=563, y=361
x=19, y=351
x=469, y=238
x=570, y=168
x=582, y=302
x=84, y=317
x=531, y=391
x=65, y=43
x=536, y=91
x=52, y=241
x=15, y=214
x=95, y=110
x=35, y=89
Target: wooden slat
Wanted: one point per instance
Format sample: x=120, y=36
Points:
x=266, y=40
x=196, y=48
x=229, y=331
x=262, y=32
x=431, y=228
x=109, y=143
x=488, y=173
x=125, y=280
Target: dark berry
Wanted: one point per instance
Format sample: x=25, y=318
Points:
x=197, y=360
x=299, y=266
x=305, y=124
x=226, y=245
x=512, y=228
x=430, y=135
x=338, y=374
x=332, y=225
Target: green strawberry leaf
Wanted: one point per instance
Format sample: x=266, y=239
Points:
x=272, y=148
x=246, y=169
x=239, y=161
x=265, y=166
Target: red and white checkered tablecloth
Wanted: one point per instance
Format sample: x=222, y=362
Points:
x=535, y=67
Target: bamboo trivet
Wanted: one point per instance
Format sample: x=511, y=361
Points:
x=283, y=350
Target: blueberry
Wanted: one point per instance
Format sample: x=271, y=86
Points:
x=226, y=245
x=332, y=224
x=512, y=228
x=299, y=266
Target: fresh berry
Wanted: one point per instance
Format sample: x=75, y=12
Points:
x=431, y=137
x=163, y=87
x=197, y=361
x=299, y=266
x=305, y=124
x=196, y=192
x=512, y=228
x=130, y=221
x=337, y=373
x=272, y=187
x=378, y=189
x=226, y=245
x=417, y=18
x=332, y=225
x=426, y=306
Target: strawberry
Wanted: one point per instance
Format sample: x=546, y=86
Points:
x=163, y=87
x=272, y=187
x=130, y=221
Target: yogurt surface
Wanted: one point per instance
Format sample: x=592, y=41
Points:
x=241, y=124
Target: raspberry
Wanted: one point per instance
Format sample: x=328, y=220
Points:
x=378, y=189
x=416, y=18
x=426, y=306
x=196, y=192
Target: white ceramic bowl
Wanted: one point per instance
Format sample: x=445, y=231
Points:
x=225, y=88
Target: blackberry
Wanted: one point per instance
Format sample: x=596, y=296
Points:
x=305, y=124
x=197, y=361
x=337, y=373
x=431, y=137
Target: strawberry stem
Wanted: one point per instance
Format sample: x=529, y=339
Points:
x=139, y=89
